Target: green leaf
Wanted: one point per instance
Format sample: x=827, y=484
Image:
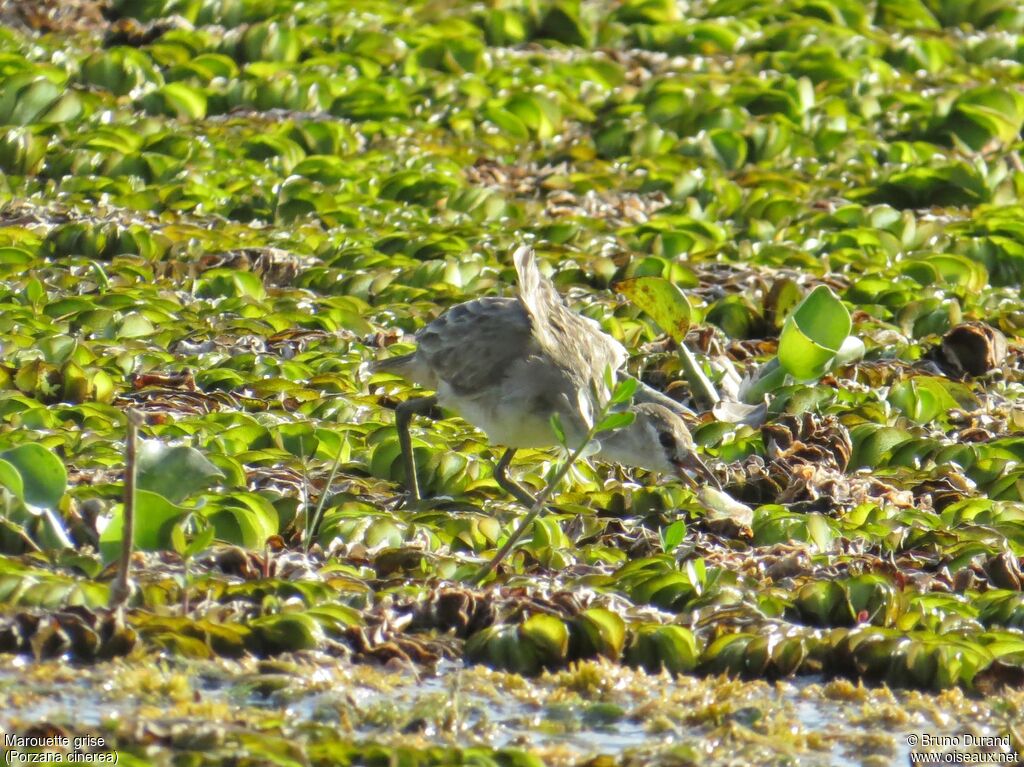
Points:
x=288, y=632
x=11, y=479
x=597, y=631
x=230, y=283
x=672, y=535
x=52, y=536
x=673, y=648
x=44, y=479
x=548, y=635
x=615, y=421
x=183, y=101
x=244, y=519
x=202, y=536
x=556, y=427
x=782, y=297
x=662, y=301
x=134, y=325
x=298, y=438
x=537, y=113
x=647, y=12
x=820, y=531
x=730, y=147
x=923, y=398
x=178, y=533
x=507, y=122
x=817, y=601
x=562, y=23
x=548, y=534
x=155, y=518
x=813, y=334
x=33, y=101
x=174, y=472
x=623, y=391
x=737, y=317
x=202, y=540
x=871, y=443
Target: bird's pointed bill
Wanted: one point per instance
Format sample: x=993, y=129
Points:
x=692, y=463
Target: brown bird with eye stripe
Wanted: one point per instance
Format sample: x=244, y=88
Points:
x=507, y=365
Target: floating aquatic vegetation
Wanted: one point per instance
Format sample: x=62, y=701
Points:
x=214, y=212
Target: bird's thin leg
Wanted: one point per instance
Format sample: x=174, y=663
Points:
x=403, y=415
x=508, y=484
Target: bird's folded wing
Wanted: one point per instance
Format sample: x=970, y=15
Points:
x=472, y=346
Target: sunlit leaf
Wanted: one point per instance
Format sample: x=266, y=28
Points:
x=175, y=472
x=813, y=334
x=664, y=302
x=155, y=518
x=43, y=477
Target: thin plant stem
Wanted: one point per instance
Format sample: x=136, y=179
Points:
x=703, y=390
x=17, y=530
x=620, y=395
x=121, y=588
x=536, y=509
x=185, y=586
x=311, y=525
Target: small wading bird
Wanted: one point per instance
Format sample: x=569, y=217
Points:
x=507, y=365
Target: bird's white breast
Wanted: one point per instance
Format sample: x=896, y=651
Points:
x=506, y=422
x=516, y=411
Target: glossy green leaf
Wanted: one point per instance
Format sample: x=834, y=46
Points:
x=175, y=472
x=664, y=302
x=43, y=477
x=813, y=334
x=155, y=518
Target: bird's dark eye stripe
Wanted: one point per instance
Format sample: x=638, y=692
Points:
x=667, y=440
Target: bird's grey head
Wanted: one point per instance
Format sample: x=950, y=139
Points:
x=657, y=440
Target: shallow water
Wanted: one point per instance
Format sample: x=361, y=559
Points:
x=568, y=717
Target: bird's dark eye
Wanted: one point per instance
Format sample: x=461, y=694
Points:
x=667, y=440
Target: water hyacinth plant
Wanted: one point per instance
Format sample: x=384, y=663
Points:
x=802, y=219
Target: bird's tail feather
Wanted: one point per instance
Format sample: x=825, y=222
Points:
x=397, y=365
x=529, y=275
x=535, y=290
x=390, y=364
